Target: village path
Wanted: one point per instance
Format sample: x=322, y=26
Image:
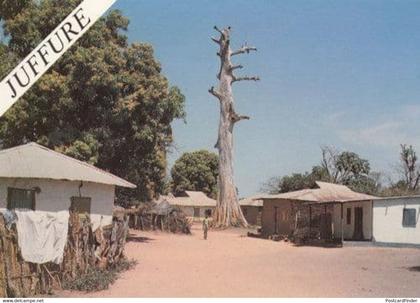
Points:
x=229, y=264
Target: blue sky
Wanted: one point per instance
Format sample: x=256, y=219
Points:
x=342, y=73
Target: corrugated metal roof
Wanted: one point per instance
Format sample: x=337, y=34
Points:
x=399, y=197
x=38, y=162
x=251, y=201
x=326, y=192
x=193, y=198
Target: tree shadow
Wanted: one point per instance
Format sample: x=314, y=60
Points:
x=139, y=239
x=414, y=268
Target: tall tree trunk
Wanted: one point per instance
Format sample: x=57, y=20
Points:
x=228, y=211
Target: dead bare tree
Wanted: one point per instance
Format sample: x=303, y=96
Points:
x=409, y=168
x=329, y=163
x=228, y=211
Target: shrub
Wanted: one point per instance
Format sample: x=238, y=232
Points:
x=97, y=279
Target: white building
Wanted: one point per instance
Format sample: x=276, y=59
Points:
x=35, y=177
x=396, y=220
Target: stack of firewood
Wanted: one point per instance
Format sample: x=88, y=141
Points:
x=84, y=249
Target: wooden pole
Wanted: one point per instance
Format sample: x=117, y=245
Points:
x=310, y=220
x=342, y=224
x=325, y=222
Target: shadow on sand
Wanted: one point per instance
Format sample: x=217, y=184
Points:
x=138, y=239
x=414, y=268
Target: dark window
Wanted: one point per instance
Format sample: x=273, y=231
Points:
x=196, y=212
x=208, y=212
x=348, y=216
x=20, y=198
x=245, y=211
x=409, y=217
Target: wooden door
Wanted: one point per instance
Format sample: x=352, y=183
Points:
x=326, y=229
x=276, y=222
x=358, y=223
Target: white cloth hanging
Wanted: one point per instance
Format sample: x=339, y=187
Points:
x=42, y=236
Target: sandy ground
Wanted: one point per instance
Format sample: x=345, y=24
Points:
x=231, y=265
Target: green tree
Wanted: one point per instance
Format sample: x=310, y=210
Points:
x=293, y=182
x=104, y=101
x=346, y=168
x=196, y=171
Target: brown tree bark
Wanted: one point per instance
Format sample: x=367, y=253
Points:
x=228, y=212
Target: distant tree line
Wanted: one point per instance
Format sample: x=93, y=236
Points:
x=198, y=171
x=348, y=168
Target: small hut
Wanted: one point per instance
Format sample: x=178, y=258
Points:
x=194, y=204
x=252, y=209
x=327, y=212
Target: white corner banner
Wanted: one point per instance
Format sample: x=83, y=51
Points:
x=50, y=50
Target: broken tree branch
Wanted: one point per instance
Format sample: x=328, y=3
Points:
x=215, y=40
x=246, y=78
x=244, y=49
x=217, y=29
x=236, y=67
x=214, y=92
x=234, y=117
x=238, y=118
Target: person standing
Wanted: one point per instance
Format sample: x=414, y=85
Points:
x=205, y=226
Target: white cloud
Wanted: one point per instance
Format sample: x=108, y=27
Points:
x=384, y=134
x=402, y=126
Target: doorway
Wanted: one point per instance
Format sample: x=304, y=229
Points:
x=358, y=224
x=326, y=226
x=276, y=225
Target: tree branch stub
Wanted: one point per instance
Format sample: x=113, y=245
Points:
x=214, y=92
x=245, y=78
x=243, y=50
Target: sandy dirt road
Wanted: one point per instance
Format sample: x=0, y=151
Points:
x=231, y=265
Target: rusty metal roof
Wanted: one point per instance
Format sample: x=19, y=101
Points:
x=251, y=201
x=325, y=193
x=38, y=162
x=192, y=198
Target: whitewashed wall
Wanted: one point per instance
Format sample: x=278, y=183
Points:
x=348, y=229
x=55, y=195
x=189, y=211
x=388, y=218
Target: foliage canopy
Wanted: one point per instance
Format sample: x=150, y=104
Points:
x=196, y=171
x=105, y=101
x=346, y=168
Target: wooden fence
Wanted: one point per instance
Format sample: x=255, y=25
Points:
x=84, y=249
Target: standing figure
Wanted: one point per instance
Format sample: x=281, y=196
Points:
x=205, y=226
